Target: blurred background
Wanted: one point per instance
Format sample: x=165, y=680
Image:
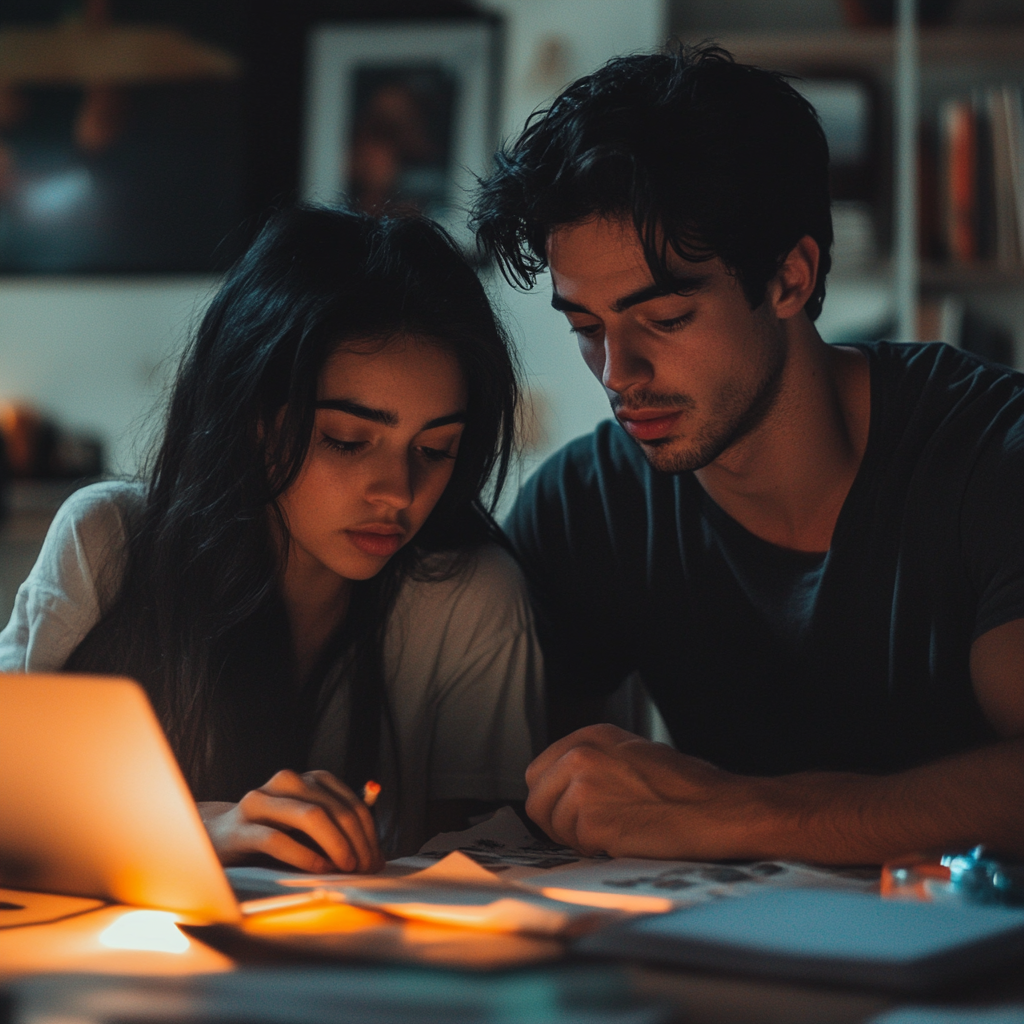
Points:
x=142, y=142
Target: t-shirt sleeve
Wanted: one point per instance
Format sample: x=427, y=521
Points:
x=61, y=598
x=561, y=528
x=992, y=527
x=485, y=684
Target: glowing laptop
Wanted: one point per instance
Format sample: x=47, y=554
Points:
x=92, y=802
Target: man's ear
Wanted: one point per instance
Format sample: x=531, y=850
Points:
x=792, y=286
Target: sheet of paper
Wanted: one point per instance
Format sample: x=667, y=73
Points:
x=685, y=883
x=500, y=859
x=254, y=883
x=453, y=891
x=503, y=843
x=499, y=843
x=458, y=868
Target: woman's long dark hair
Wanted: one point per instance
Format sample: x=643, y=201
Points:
x=197, y=617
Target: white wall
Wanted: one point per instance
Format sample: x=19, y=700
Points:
x=95, y=354
x=548, y=44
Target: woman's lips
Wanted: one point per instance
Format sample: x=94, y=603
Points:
x=382, y=542
x=652, y=426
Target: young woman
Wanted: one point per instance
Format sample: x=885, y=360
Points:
x=308, y=585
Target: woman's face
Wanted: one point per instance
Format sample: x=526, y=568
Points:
x=388, y=422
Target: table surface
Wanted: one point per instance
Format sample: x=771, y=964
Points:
x=71, y=942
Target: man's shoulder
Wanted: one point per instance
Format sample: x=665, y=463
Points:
x=596, y=491
x=592, y=461
x=941, y=375
x=944, y=406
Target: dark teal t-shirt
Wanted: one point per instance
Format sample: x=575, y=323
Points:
x=764, y=660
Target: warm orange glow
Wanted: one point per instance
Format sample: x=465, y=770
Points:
x=456, y=947
x=914, y=878
x=153, y=930
x=611, y=900
x=505, y=915
x=319, y=919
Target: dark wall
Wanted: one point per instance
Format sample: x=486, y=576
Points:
x=270, y=38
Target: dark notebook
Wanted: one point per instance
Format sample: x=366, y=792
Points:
x=823, y=936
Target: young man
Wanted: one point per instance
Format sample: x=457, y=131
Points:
x=813, y=555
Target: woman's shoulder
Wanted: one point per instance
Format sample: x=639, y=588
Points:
x=91, y=525
x=75, y=573
x=98, y=507
x=485, y=569
x=484, y=584
x=469, y=633
x=101, y=501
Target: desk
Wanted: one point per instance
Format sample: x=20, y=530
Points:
x=73, y=944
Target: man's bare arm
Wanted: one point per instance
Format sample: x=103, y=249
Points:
x=604, y=789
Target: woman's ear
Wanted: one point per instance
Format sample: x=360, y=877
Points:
x=792, y=286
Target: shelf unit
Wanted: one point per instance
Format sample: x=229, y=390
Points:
x=798, y=52
x=952, y=61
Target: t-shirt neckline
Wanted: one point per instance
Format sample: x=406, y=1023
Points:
x=865, y=471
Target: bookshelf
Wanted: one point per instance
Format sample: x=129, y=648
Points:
x=955, y=63
x=875, y=49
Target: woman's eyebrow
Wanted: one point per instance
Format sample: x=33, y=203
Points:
x=443, y=421
x=364, y=412
x=384, y=416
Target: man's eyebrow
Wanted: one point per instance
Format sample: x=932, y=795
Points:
x=563, y=305
x=676, y=286
x=384, y=416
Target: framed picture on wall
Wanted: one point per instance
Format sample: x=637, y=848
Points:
x=401, y=116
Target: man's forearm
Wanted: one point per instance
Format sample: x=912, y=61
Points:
x=976, y=797
x=603, y=789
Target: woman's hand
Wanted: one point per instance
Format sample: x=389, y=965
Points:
x=291, y=809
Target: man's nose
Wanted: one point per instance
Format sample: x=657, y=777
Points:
x=625, y=364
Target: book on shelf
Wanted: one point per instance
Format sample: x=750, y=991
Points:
x=980, y=181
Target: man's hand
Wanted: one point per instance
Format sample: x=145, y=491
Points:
x=602, y=789
x=291, y=810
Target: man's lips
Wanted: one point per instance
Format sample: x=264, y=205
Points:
x=649, y=425
x=380, y=539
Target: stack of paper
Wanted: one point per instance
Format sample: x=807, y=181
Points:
x=499, y=877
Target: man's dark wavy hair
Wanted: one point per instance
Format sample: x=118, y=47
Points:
x=705, y=155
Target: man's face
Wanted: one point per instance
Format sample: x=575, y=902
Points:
x=689, y=371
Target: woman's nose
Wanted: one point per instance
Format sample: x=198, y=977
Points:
x=391, y=483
